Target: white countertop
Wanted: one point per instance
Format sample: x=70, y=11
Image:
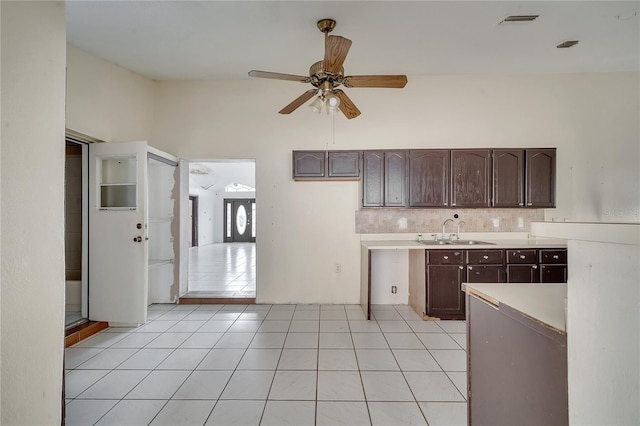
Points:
x=542, y=302
x=524, y=243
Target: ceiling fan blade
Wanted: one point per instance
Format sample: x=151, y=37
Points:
x=388, y=81
x=336, y=49
x=298, y=101
x=347, y=107
x=279, y=76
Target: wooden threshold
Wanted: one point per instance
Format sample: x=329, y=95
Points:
x=205, y=298
x=81, y=332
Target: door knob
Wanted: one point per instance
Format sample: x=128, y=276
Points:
x=137, y=239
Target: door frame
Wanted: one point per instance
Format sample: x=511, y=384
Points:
x=194, y=199
x=84, y=267
x=225, y=201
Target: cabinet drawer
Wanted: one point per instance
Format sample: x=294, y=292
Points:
x=553, y=256
x=445, y=257
x=479, y=257
x=522, y=256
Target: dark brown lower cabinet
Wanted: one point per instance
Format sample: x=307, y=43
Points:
x=446, y=270
x=553, y=266
x=522, y=266
x=485, y=266
x=517, y=368
x=445, y=275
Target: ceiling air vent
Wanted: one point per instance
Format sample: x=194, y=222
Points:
x=567, y=44
x=519, y=18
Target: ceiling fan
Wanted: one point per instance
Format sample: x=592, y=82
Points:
x=327, y=75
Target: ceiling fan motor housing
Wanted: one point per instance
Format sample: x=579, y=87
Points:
x=318, y=75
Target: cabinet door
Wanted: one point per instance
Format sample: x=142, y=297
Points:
x=308, y=164
x=470, y=172
x=522, y=273
x=540, y=169
x=395, y=166
x=445, y=298
x=553, y=273
x=344, y=164
x=373, y=179
x=429, y=178
x=485, y=273
x=508, y=178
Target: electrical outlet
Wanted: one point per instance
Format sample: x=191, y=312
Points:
x=520, y=222
x=338, y=268
x=496, y=222
x=394, y=289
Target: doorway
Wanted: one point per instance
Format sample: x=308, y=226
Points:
x=76, y=232
x=222, y=266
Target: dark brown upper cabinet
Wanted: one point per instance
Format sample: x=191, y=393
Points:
x=343, y=164
x=429, y=178
x=395, y=182
x=384, y=178
x=540, y=177
x=373, y=179
x=309, y=164
x=508, y=178
x=326, y=165
x=470, y=178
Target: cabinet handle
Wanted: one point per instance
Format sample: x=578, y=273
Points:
x=521, y=204
x=555, y=256
x=453, y=204
x=445, y=257
x=485, y=257
x=460, y=267
x=471, y=268
x=522, y=256
x=534, y=267
x=529, y=204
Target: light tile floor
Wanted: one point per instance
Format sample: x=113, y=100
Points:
x=223, y=270
x=270, y=365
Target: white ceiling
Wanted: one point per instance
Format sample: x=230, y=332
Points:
x=197, y=40
x=221, y=173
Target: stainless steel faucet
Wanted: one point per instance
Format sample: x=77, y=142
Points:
x=458, y=232
x=444, y=226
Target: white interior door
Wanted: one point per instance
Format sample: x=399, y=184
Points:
x=118, y=252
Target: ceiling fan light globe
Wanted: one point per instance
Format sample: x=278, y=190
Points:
x=317, y=105
x=333, y=101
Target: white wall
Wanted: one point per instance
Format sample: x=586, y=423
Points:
x=307, y=227
x=106, y=101
x=33, y=96
x=603, y=331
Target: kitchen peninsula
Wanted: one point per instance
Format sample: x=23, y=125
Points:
x=517, y=354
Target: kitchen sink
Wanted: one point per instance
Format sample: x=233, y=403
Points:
x=456, y=242
x=471, y=242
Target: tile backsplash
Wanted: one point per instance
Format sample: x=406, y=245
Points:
x=392, y=220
